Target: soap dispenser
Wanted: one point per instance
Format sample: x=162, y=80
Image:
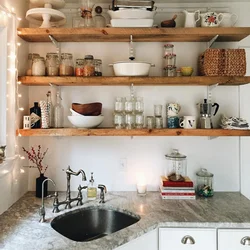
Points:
x=92, y=189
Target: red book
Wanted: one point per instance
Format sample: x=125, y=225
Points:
x=167, y=183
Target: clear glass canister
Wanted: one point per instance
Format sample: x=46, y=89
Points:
x=170, y=59
x=204, y=183
x=176, y=167
x=119, y=105
x=89, y=68
x=31, y=56
x=79, y=67
x=168, y=49
x=98, y=67
x=52, y=64
x=66, y=66
x=38, y=66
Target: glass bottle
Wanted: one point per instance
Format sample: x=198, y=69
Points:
x=58, y=112
x=98, y=67
x=30, y=58
x=99, y=19
x=204, y=183
x=52, y=64
x=92, y=189
x=66, y=66
x=35, y=116
x=50, y=110
x=86, y=9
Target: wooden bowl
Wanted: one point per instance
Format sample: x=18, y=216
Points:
x=88, y=109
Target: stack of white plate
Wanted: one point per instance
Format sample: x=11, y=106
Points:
x=131, y=18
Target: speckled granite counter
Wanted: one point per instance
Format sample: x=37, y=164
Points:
x=20, y=229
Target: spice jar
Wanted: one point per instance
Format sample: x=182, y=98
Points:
x=204, y=183
x=79, y=67
x=38, y=66
x=66, y=66
x=89, y=68
x=30, y=58
x=52, y=64
x=98, y=67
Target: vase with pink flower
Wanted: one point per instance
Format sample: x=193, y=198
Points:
x=36, y=156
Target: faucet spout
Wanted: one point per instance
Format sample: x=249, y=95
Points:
x=71, y=172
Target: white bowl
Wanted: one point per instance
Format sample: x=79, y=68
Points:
x=86, y=121
x=74, y=113
x=131, y=68
x=131, y=14
x=132, y=22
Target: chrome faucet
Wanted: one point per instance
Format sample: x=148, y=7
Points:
x=42, y=208
x=103, y=189
x=68, y=199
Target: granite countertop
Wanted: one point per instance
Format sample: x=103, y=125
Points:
x=20, y=228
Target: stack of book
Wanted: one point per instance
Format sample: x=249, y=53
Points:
x=182, y=190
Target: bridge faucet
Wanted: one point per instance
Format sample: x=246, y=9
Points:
x=42, y=208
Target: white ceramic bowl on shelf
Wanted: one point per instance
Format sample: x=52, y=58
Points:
x=131, y=14
x=86, y=121
x=132, y=22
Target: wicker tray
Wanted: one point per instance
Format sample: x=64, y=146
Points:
x=222, y=62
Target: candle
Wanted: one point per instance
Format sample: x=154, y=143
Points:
x=141, y=189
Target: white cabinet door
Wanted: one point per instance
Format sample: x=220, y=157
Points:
x=233, y=239
x=187, y=238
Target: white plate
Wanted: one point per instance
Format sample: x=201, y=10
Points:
x=131, y=13
x=132, y=22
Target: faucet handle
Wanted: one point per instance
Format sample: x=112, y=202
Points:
x=56, y=203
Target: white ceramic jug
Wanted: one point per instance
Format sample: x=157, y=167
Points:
x=191, y=18
x=211, y=19
x=229, y=20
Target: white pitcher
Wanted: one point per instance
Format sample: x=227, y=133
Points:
x=191, y=18
x=229, y=20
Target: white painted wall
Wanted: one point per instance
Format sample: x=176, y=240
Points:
x=102, y=155
x=14, y=179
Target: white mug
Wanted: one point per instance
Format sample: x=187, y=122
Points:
x=26, y=122
x=229, y=20
x=188, y=122
x=173, y=109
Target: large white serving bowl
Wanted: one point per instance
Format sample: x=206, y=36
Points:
x=86, y=121
x=131, y=14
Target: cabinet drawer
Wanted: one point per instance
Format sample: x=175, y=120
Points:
x=233, y=239
x=187, y=238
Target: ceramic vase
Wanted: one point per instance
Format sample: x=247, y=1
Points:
x=39, y=181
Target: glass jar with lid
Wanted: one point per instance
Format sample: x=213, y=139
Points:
x=168, y=49
x=89, y=68
x=38, y=66
x=98, y=67
x=30, y=59
x=176, y=168
x=204, y=183
x=79, y=67
x=52, y=64
x=66, y=66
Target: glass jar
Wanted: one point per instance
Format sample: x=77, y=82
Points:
x=99, y=19
x=139, y=105
x=79, y=67
x=170, y=60
x=86, y=12
x=168, y=49
x=158, y=122
x=204, y=183
x=98, y=67
x=150, y=122
x=176, y=166
x=66, y=66
x=119, y=105
x=38, y=66
x=129, y=104
x=119, y=120
x=88, y=68
x=129, y=121
x=31, y=56
x=52, y=64
x=139, y=121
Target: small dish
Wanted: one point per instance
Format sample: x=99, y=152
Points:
x=186, y=71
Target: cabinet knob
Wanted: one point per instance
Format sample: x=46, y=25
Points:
x=188, y=240
x=245, y=241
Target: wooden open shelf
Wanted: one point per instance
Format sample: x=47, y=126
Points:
x=139, y=34
x=132, y=132
x=139, y=81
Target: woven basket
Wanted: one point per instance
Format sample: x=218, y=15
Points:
x=222, y=62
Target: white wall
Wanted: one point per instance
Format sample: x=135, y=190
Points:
x=102, y=155
x=13, y=178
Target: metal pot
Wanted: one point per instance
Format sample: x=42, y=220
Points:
x=131, y=68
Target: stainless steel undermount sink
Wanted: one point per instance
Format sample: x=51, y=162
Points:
x=86, y=224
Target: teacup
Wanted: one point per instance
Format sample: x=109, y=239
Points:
x=229, y=20
x=173, y=109
x=188, y=122
x=211, y=19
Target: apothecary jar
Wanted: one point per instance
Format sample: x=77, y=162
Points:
x=176, y=167
x=204, y=183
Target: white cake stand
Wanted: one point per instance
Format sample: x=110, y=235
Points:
x=55, y=4
x=46, y=17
